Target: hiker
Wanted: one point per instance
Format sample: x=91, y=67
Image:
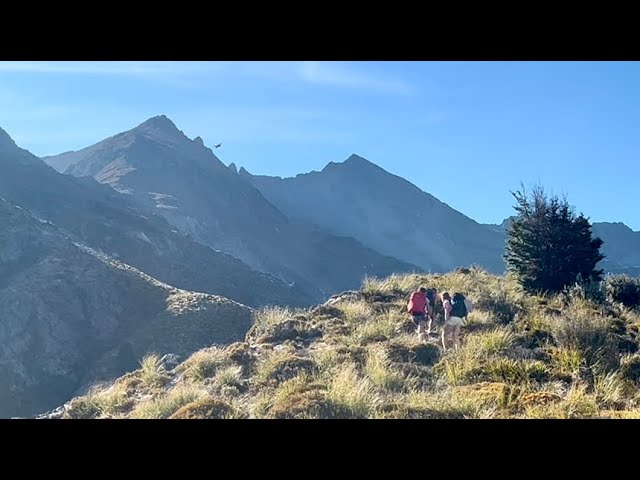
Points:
x=432, y=297
x=436, y=312
x=418, y=307
x=455, y=312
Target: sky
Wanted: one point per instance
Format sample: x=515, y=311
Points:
x=469, y=133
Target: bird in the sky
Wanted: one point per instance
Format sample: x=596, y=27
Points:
x=217, y=146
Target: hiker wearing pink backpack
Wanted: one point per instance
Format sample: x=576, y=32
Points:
x=418, y=307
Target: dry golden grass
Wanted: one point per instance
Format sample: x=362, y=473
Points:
x=152, y=372
x=166, y=405
x=522, y=356
x=351, y=395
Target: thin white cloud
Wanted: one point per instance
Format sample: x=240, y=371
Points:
x=111, y=68
x=331, y=74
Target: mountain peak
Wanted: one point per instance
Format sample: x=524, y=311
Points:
x=160, y=124
x=233, y=168
x=355, y=159
x=6, y=142
x=353, y=162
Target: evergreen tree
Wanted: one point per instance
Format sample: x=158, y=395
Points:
x=548, y=246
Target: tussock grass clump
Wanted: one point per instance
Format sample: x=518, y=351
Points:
x=565, y=361
x=269, y=316
x=351, y=395
x=204, y=364
x=409, y=350
x=103, y=402
x=152, y=372
x=576, y=404
x=392, y=285
x=204, y=408
x=481, y=358
x=485, y=394
x=301, y=397
x=356, y=312
x=229, y=379
x=455, y=369
x=380, y=370
x=327, y=359
x=378, y=328
x=282, y=365
x=609, y=390
x=83, y=408
x=497, y=341
x=166, y=405
x=582, y=329
x=511, y=371
x=114, y=401
x=620, y=414
x=443, y=405
x=278, y=324
x=539, y=399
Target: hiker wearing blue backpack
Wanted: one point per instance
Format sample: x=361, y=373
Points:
x=455, y=313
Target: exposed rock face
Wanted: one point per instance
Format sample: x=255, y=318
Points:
x=181, y=179
x=70, y=315
x=110, y=222
x=384, y=212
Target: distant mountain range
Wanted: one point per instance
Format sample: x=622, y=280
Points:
x=383, y=211
x=621, y=246
x=165, y=172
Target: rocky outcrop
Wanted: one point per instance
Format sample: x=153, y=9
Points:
x=70, y=315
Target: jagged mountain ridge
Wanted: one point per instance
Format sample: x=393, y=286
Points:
x=385, y=212
x=181, y=179
x=108, y=221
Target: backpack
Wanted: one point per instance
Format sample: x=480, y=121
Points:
x=417, y=303
x=458, y=307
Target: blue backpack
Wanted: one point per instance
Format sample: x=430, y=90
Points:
x=458, y=307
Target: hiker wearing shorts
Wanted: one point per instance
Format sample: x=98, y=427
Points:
x=455, y=311
x=418, y=307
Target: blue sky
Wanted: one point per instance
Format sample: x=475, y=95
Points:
x=466, y=132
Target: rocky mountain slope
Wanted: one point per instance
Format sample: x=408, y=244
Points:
x=357, y=356
x=109, y=222
x=70, y=315
x=165, y=172
x=385, y=212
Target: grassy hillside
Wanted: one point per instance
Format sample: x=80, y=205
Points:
x=572, y=355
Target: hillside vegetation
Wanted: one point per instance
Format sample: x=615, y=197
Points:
x=571, y=355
